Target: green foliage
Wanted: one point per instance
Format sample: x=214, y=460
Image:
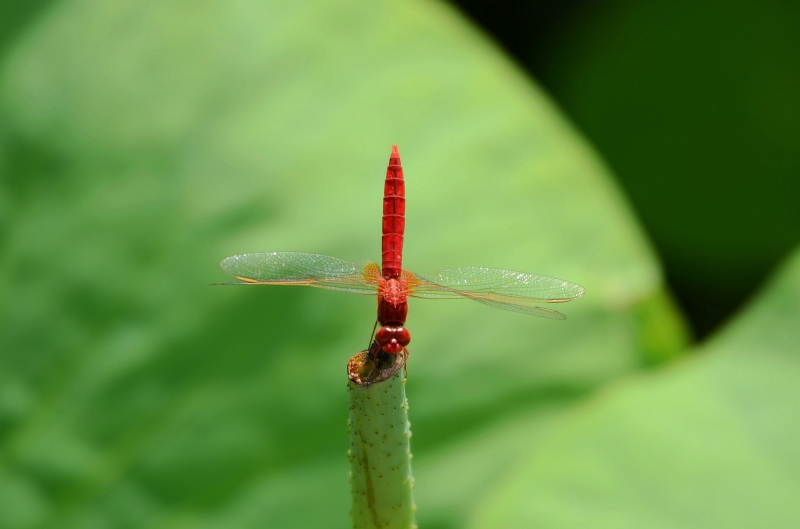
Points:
x=710, y=443
x=142, y=142
x=694, y=105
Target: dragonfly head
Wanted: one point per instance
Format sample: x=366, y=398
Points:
x=392, y=340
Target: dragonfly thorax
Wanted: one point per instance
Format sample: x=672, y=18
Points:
x=392, y=303
x=394, y=291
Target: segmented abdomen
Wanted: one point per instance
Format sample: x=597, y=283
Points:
x=394, y=211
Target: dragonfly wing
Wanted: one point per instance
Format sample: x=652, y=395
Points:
x=491, y=283
x=542, y=312
x=501, y=289
x=305, y=269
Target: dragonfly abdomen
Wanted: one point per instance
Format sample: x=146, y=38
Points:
x=394, y=218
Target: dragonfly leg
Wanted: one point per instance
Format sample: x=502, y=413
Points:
x=405, y=360
x=374, y=354
x=374, y=350
x=372, y=336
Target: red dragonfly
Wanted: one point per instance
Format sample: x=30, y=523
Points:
x=502, y=289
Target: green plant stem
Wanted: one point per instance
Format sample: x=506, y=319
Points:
x=380, y=455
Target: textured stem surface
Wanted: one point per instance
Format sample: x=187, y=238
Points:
x=380, y=455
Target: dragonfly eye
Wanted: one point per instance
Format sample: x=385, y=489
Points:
x=402, y=336
x=384, y=335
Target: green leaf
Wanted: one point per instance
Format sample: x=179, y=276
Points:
x=655, y=86
x=711, y=442
x=142, y=142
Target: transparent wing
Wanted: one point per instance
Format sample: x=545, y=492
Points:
x=502, y=289
x=304, y=269
x=542, y=312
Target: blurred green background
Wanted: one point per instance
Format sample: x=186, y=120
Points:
x=142, y=142
x=694, y=105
